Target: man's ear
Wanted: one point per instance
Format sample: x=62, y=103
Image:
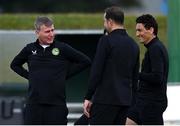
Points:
x=37, y=33
x=151, y=30
x=111, y=21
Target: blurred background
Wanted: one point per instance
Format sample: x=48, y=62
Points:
x=80, y=24
x=84, y=6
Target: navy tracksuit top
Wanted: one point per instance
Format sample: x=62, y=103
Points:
x=48, y=69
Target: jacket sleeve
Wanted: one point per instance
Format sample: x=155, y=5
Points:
x=157, y=67
x=17, y=63
x=135, y=78
x=78, y=61
x=97, y=67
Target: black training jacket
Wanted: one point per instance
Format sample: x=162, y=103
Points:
x=114, y=70
x=48, y=69
x=154, y=72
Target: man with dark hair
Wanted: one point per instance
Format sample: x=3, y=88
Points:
x=151, y=99
x=50, y=63
x=113, y=73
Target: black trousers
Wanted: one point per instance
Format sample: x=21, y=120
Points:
x=101, y=114
x=44, y=114
x=147, y=112
x=83, y=120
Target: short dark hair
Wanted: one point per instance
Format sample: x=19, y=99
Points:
x=42, y=20
x=148, y=21
x=115, y=13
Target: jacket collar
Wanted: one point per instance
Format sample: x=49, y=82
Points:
x=39, y=46
x=119, y=31
x=151, y=42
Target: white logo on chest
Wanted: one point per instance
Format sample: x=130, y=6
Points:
x=34, y=52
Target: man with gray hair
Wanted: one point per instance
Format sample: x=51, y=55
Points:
x=50, y=63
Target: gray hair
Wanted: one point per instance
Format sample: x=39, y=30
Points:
x=42, y=20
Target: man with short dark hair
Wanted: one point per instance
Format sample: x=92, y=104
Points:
x=50, y=63
x=151, y=100
x=113, y=73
